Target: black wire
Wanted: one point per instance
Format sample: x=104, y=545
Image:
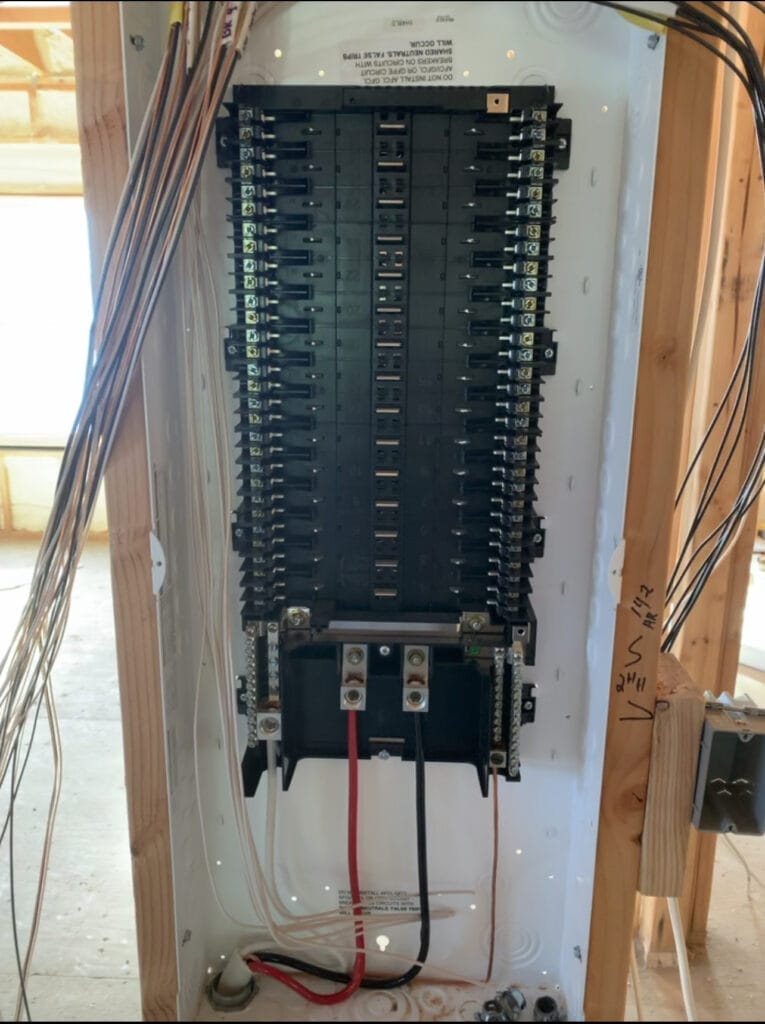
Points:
x=733, y=515
x=745, y=388
x=727, y=528
x=20, y=774
x=11, y=881
x=284, y=960
x=745, y=48
x=704, y=574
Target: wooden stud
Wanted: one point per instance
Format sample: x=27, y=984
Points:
x=682, y=198
x=674, y=758
x=101, y=109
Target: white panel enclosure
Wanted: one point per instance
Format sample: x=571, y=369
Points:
x=607, y=74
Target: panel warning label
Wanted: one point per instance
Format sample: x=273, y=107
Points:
x=379, y=901
x=416, y=62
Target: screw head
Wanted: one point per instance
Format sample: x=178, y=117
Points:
x=528, y=705
x=537, y=538
x=273, y=627
x=415, y=698
x=231, y=349
x=415, y=658
x=384, y=755
x=562, y=144
x=549, y=353
x=296, y=617
x=384, y=651
x=475, y=624
x=496, y=758
x=355, y=656
x=352, y=697
x=269, y=725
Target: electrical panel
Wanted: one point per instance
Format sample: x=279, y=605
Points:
x=391, y=268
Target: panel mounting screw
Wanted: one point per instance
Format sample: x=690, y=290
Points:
x=352, y=697
x=475, y=624
x=355, y=656
x=231, y=349
x=537, y=538
x=549, y=353
x=528, y=705
x=562, y=143
x=269, y=725
x=296, y=617
x=384, y=755
x=384, y=651
x=415, y=658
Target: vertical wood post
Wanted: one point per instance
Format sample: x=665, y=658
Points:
x=682, y=197
x=103, y=141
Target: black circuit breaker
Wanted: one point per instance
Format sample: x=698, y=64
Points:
x=391, y=272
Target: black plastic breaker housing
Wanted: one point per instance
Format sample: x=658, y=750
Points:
x=391, y=270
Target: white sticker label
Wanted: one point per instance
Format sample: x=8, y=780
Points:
x=382, y=901
x=411, y=62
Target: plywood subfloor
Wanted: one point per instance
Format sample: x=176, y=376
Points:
x=728, y=977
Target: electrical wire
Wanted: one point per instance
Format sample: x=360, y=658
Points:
x=208, y=499
x=422, y=874
x=11, y=879
x=751, y=876
x=494, y=870
x=635, y=978
x=50, y=824
x=258, y=966
x=682, y=957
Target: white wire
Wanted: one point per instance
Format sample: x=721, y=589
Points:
x=209, y=492
x=750, y=875
x=635, y=976
x=682, y=958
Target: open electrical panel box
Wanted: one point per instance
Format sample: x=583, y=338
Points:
x=429, y=230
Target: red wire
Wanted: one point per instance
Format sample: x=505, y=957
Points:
x=359, y=963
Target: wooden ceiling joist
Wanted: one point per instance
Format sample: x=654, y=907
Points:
x=35, y=16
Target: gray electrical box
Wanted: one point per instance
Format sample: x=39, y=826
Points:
x=730, y=784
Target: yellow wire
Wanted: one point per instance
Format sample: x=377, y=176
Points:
x=641, y=22
x=176, y=13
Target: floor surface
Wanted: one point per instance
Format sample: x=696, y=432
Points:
x=85, y=963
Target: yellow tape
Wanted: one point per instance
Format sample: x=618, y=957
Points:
x=176, y=12
x=646, y=23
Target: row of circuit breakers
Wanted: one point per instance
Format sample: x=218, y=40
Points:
x=391, y=270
